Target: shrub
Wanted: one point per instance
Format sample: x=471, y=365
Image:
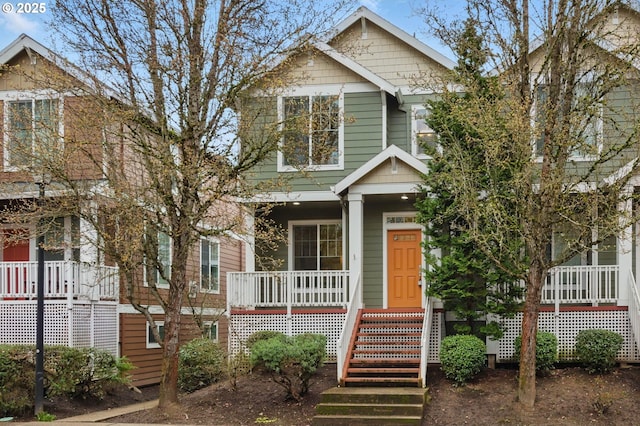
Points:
x=292, y=361
x=546, y=351
x=202, y=363
x=263, y=335
x=84, y=372
x=462, y=357
x=597, y=349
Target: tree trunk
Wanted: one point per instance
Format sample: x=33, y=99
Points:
x=169, y=379
x=527, y=374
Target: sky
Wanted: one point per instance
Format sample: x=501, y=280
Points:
x=34, y=24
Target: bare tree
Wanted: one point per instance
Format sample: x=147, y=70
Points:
x=559, y=136
x=154, y=149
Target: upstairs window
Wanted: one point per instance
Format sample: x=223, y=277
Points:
x=160, y=246
x=32, y=130
x=586, y=125
x=423, y=137
x=209, y=265
x=312, y=132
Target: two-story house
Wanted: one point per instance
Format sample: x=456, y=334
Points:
x=351, y=268
x=85, y=303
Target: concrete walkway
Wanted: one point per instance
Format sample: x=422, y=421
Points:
x=101, y=416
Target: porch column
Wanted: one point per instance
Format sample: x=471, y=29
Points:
x=356, y=247
x=625, y=249
x=250, y=241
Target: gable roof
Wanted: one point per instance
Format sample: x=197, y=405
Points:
x=390, y=153
x=357, y=68
x=364, y=13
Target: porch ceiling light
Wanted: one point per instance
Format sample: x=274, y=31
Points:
x=296, y=203
x=404, y=197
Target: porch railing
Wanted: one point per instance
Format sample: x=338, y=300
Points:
x=592, y=284
x=18, y=280
x=634, y=310
x=347, y=328
x=287, y=289
x=424, y=339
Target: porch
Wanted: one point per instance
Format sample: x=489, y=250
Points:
x=80, y=307
x=329, y=302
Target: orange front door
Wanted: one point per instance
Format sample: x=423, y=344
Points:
x=403, y=268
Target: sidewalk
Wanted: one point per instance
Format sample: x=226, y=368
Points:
x=101, y=416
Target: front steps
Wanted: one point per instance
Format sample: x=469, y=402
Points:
x=367, y=406
x=385, y=349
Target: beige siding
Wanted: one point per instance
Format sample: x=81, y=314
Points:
x=386, y=55
x=320, y=69
x=384, y=174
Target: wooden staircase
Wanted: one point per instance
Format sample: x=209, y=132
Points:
x=385, y=349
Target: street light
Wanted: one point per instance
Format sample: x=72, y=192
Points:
x=41, y=180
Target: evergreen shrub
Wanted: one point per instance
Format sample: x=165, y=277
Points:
x=546, y=351
x=202, y=363
x=597, y=349
x=462, y=357
x=292, y=361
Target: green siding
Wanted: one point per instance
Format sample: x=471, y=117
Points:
x=373, y=257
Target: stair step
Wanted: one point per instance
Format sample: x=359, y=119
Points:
x=386, y=370
x=338, y=420
x=384, y=361
x=380, y=380
x=387, y=351
x=390, y=318
x=389, y=334
x=375, y=395
x=337, y=408
x=387, y=342
x=387, y=326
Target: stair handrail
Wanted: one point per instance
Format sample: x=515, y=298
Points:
x=347, y=327
x=634, y=309
x=424, y=340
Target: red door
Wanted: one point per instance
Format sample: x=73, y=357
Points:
x=16, y=249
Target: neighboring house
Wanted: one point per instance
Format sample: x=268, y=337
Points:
x=352, y=265
x=85, y=306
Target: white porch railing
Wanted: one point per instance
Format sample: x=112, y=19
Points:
x=424, y=339
x=18, y=280
x=287, y=289
x=347, y=328
x=634, y=310
x=591, y=284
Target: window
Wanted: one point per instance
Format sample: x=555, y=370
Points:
x=62, y=239
x=161, y=245
x=211, y=330
x=317, y=246
x=32, y=130
x=210, y=265
x=312, y=132
x=151, y=340
x=586, y=132
x=421, y=134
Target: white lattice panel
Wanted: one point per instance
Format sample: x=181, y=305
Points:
x=435, y=337
x=567, y=325
x=62, y=326
x=244, y=325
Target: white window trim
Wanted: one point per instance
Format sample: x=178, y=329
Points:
x=598, y=127
x=27, y=95
x=152, y=345
x=281, y=167
x=207, y=290
x=208, y=325
x=414, y=132
x=155, y=271
x=293, y=223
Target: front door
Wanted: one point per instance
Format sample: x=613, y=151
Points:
x=16, y=249
x=403, y=268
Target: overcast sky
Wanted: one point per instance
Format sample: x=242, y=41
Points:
x=398, y=12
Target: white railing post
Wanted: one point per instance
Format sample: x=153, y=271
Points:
x=424, y=340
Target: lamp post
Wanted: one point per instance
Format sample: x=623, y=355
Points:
x=39, y=397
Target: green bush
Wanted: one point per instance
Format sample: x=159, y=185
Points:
x=75, y=372
x=597, y=349
x=202, y=363
x=292, y=361
x=462, y=357
x=546, y=351
x=263, y=335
